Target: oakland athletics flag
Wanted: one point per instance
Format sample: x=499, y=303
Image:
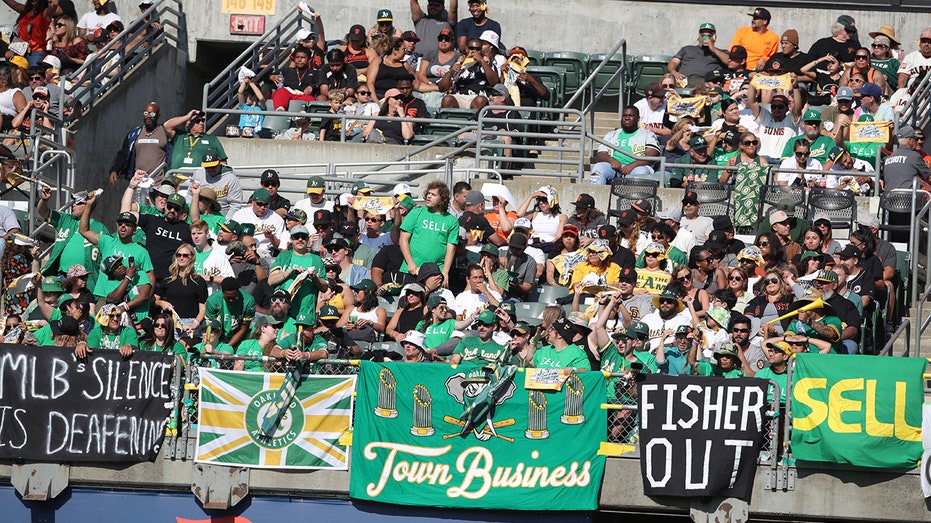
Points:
x=233, y=405
x=857, y=410
x=461, y=436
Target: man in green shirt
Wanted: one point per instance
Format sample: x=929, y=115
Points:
x=299, y=262
x=698, y=154
x=778, y=354
x=70, y=248
x=820, y=145
x=133, y=255
x=187, y=148
x=232, y=309
x=819, y=323
x=480, y=348
x=110, y=332
x=561, y=353
x=430, y=234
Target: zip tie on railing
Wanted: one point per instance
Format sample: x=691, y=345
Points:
x=617, y=406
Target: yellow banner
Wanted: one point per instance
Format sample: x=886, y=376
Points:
x=871, y=132
x=685, y=106
x=249, y=7
x=654, y=282
x=379, y=204
x=763, y=82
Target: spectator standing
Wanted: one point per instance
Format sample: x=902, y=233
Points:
x=144, y=148
x=222, y=179
x=473, y=27
x=842, y=43
x=69, y=248
x=431, y=24
x=430, y=233
x=189, y=147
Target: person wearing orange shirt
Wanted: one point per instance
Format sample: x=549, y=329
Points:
x=757, y=39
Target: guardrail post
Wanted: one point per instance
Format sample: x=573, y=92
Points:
x=219, y=487
x=40, y=481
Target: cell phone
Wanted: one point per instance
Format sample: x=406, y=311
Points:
x=132, y=261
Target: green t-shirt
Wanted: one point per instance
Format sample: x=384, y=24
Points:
x=430, y=234
x=473, y=348
x=220, y=347
x=188, y=151
x=865, y=151
x=572, y=356
x=72, y=248
x=176, y=349
x=781, y=379
x=704, y=368
x=711, y=175
x=250, y=347
x=109, y=245
x=213, y=221
x=97, y=339
x=819, y=149
x=304, y=302
x=804, y=330
x=613, y=360
x=722, y=158
x=44, y=336
x=287, y=331
x=230, y=315
x=437, y=333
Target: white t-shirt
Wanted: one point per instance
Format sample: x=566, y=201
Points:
x=468, y=302
x=94, y=23
x=791, y=163
x=649, y=119
x=262, y=244
x=700, y=227
x=915, y=66
x=774, y=135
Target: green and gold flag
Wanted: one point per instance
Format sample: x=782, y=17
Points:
x=233, y=405
x=857, y=410
x=532, y=450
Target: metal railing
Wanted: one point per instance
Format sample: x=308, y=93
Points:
x=619, y=76
x=111, y=65
x=917, y=110
x=920, y=243
x=271, y=50
x=568, y=134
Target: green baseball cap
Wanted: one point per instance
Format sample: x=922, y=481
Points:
x=384, y=15
x=211, y=158
x=364, y=285
x=707, y=26
x=509, y=308
x=315, y=185
x=638, y=329
x=261, y=195
x=232, y=227
x=268, y=320
x=360, y=187
x=177, y=199
x=407, y=202
x=52, y=284
x=811, y=116
x=487, y=317
x=328, y=312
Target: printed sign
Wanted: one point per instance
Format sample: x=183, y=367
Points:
x=58, y=408
x=763, y=82
x=249, y=7
x=685, y=106
x=700, y=436
x=869, y=132
x=247, y=25
x=654, y=282
x=232, y=408
x=857, y=410
x=376, y=204
x=455, y=436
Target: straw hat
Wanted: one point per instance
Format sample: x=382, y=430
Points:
x=887, y=31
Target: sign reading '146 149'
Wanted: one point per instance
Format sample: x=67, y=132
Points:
x=54, y=407
x=531, y=449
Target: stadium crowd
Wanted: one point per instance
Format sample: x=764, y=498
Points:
x=224, y=268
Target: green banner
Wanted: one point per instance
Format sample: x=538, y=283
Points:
x=533, y=450
x=857, y=410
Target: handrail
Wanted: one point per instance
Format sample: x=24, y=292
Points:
x=916, y=112
x=622, y=43
x=220, y=93
x=918, y=300
x=904, y=331
x=98, y=75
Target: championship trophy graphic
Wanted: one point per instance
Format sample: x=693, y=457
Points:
x=387, y=401
x=536, y=416
x=572, y=413
x=423, y=412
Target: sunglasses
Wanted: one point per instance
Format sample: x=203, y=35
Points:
x=925, y=40
x=735, y=278
x=779, y=106
x=657, y=236
x=270, y=184
x=667, y=302
x=161, y=325
x=862, y=57
x=740, y=330
x=182, y=255
x=751, y=142
x=703, y=259
x=856, y=80
x=444, y=39
x=173, y=208
x=802, y=153
x=36, y=77
x=667, y=86
x=798, y=343
x=651, y=255
x=300, y=237
x=279, y=300
x=373, y=219
x=364, y=93
x=768, y=281
x=684, y=278
x=475, y=48
x=59, y=24
x=261, y=204
x=763, y=244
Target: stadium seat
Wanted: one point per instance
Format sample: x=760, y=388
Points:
x=625, y=191
x=575, y=64
x=536, y=57
x=715, y=198
x=555, y=80
x=645, y=70
x=551, y=293
x=531, y=310
x=616, y=62
x=455, y=114
x=838, y=204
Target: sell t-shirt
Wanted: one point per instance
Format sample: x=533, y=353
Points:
x=250, y=348
x=571, y=356
x=304, y=302
x=438, y=333
x=230, y=315
x=430, y=234
x=635, y=143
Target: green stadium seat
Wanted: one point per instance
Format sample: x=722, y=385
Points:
x=601, y=79
x=644, y=70
x=554, y=78
x=536, y=57
x=575, y=64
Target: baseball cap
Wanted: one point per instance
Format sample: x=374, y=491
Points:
x=906, y=131
x=126, y=217
x=707, y=27
x=384, y=15
x=585, y=201
x=626, y=218
x=628, y=274
x=401, y=188
x=643, y=205
x=270, y=175
x=871, y=89
x=486, y=317
x=360, y=187
x=328, y=312
x=410, y=36
x=364, y=285
x=698, y=142
x=607, y=232
x=850, y=25
x=811, y=116
x=315, y=185
x=761, y=14
x=523, y=223
x=53, y=284
x=211, y=158
x=738, y=53
x=570, y=229
x=517, y=240
x=844, y=93
x=356, y=33
x=849, y=252
x=722, y=223
x=670, y=213
x=232, y=227
x=826, y=275
x=780, y=98
x=299, y=229
x=260, y=195
x=177, y=199
x=778, y=217
x=297, y=215
x=690, y=197
x=474, y=198
x=714, y=74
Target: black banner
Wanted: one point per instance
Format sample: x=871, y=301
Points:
x=55, y=407
x=700, y=436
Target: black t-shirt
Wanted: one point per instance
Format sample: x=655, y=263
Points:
x=162, y=238
x=409, y=319
x=846, y=311
x=185, y=296
x=279, y=202
x=348, y=78
x=624, y=257
x=299, y=80
x=389, y=259
x=474, y=222
x=793, y=65
x=828, y=45
x=332, y=127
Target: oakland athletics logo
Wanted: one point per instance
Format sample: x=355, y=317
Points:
x=291, y=426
